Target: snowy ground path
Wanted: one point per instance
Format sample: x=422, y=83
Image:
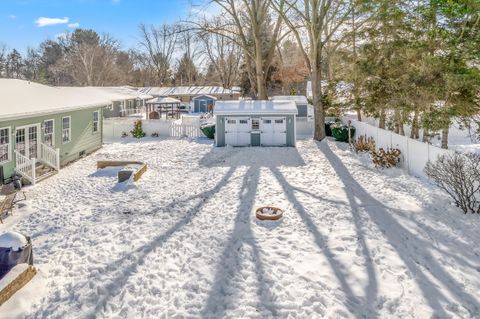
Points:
x=184, y=242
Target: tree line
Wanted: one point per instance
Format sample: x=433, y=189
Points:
x=404, y=62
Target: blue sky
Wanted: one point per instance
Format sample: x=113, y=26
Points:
x=21, y=25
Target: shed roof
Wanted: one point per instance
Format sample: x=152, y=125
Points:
x=21, y=98
x=205, y=95
x=255, y=107
x=299, y=99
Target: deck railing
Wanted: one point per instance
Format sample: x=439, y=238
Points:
x=50, y=156
x=25, y=167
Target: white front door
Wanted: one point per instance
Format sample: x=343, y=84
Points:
x=273, y=131
x=238, y=131
x=27, y=141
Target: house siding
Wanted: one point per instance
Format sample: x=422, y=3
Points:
x=255, y=140
x=83, y=139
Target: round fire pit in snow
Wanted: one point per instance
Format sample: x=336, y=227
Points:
x=269, y=213
x=15, y=248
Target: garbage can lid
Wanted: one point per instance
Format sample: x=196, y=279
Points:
x=13, y=240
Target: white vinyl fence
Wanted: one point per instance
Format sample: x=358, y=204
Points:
x=415, y=154
x=115, y=127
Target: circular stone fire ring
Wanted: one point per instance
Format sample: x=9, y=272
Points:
x=269, y=213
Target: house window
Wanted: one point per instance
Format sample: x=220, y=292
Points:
x=267, y=121
x=278, y=121
x=231, y=121
x=96, y=116
x=4, y=145
x=48, y=133
x=255, y=124
x=66, y=129
x=243, y=122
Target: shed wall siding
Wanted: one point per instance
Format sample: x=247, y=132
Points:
x=220, y=128
x=82, y=136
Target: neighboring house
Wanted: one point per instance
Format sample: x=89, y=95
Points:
x=125, y=100
x=186, y=94
x=255, y=123
x=43, y=128
x=203, y=104
x=304, y=109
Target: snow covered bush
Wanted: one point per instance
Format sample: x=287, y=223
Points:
x=137, y=131
x=458, y=175
x=385, y=158
x=208, y=129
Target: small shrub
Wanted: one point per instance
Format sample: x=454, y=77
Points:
x=154, y=134
x=137, y=131
x=124, y=134
x=340, y=132
x=208, y=129
x=458, y=175
x=364, y=144
x=386, y=158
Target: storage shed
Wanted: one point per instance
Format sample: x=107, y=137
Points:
x=203, y=103
x=255, y=123
x=300, y=100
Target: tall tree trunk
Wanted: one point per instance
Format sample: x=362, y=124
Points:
x=415, y=131
x=382, y=120
x=445, y=138
x=319, y=133
x=359, y=115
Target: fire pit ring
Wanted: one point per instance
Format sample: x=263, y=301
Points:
x=269, y=213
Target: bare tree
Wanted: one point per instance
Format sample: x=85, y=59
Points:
x=224, y=55
x=313, y=24
x=253, y=26
x=159, y=44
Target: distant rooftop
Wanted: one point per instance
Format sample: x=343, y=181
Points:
x=187, y=91
x=255, y=107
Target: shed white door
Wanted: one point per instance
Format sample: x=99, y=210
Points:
x=273, y=131
x=237, y=131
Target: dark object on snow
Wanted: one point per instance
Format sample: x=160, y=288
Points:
x=9, y=257
x=340, y=132
x=17, y=182
x=208, y=129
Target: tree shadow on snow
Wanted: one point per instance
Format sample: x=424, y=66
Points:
x=322, y=242
x=128, y=264
x=252, y=157
x=413, y=251
x=221, y=296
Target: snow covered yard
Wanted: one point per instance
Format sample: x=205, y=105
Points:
x=184, y=242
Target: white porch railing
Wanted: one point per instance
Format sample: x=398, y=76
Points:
x=50, y=156
x=25, y=167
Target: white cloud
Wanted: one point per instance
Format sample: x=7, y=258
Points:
x=43, y=22
x=12, y=16
x=73, y=25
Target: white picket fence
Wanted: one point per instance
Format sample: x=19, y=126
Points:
x=116, y=127
x=25, y=167
x=415, y=154
x=50, y=156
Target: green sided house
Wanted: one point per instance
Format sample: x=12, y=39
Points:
x=43, y=128
x=255, y=123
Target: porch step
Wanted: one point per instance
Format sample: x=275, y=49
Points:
x=43, y=171
x=45, y=176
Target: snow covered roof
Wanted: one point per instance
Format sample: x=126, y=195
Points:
x=187, y=91
x=13, y=240
x=163, y=100
x=113, y=93
x=205, y=95
x=299, y=99
x=255, y=107
x=21, y=98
